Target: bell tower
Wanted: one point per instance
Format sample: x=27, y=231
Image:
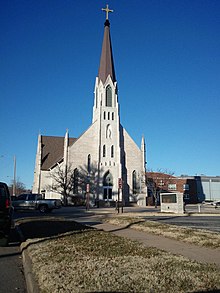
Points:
x=106, y=115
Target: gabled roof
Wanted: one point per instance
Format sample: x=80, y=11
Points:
x=52, y=150
x=106, y=66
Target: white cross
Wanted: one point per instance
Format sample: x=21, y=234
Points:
x=107, y=11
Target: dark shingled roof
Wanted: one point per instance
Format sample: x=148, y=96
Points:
x=52, y=150
x=106, y=62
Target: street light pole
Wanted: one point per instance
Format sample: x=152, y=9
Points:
x=14, y=181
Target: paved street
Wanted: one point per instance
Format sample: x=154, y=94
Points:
x=208, y=219
x=11, y=267
x=199, y=221
x=202, y=222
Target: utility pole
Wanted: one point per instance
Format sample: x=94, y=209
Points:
x=14, y=180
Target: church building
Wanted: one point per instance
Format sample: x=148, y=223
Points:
x=105, y=161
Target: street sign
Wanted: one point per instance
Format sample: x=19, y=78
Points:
x=120, y=183
x=87, y=187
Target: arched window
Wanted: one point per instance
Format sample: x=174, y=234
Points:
x=89, y=164
x=108, y=102
x=104, y=151
x=134, y=182
x=112, y=151
x=75, y=181
x=107, y=179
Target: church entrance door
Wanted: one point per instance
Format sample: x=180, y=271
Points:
x=107, y=193
x=107, y=186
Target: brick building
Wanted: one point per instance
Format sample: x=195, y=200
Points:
x=160, y=182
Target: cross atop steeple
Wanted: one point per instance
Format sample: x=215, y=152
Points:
x=107, y=10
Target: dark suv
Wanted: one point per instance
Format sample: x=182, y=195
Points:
x=5, y=214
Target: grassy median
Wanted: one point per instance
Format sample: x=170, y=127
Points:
x=97, y=261
x=188, y=235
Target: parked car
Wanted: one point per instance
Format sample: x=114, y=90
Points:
x=208, y=202
x=216, y=203
x=6, y=212
x=33, y=201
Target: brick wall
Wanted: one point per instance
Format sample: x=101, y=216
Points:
x=169, y=183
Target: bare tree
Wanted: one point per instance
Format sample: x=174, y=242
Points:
x=63, y=180
x=19, y=187
x=158, y=181
x=75, y=181
x=88, y=177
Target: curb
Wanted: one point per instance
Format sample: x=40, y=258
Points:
x=31, y=283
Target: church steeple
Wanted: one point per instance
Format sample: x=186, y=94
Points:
x=106, y=62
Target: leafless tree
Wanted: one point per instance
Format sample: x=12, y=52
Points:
x=158, y=181
x=19, y=187
x=63, y=180
x=88, y=177
x=75, y=181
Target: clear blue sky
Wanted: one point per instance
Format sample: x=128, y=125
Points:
x=167, y=61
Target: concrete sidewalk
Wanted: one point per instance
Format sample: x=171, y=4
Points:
x=192, y=252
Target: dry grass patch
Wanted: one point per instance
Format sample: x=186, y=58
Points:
x=188, y=235
x=96, y=261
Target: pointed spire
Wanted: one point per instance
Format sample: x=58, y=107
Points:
x=65, y=150
x=142, y=143
x=143, y=150
x=39, y=147
x=38, y=165
x=106, y=62
x=67, y=133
